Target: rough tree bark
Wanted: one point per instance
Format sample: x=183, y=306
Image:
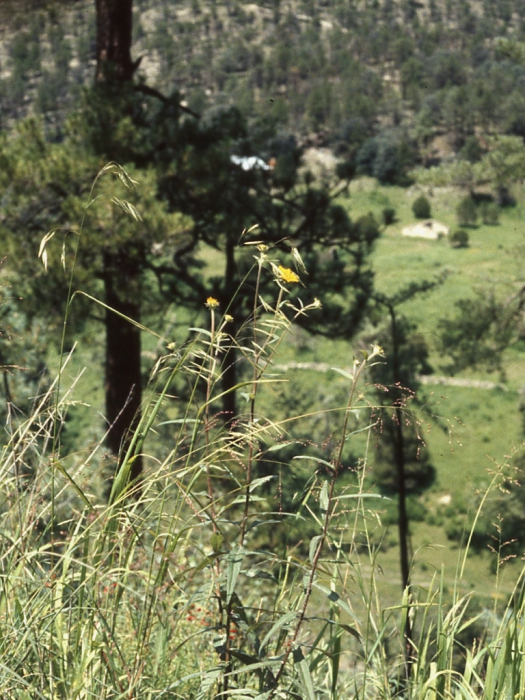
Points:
x=123, y=353
x=114, y=33
x=122, y=267
x=402, y=517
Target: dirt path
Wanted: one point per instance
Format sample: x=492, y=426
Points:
x=424, y=379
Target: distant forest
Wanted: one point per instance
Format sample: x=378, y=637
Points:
x=388, y=84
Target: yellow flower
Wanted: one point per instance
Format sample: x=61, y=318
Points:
x=377, y=350
x=228, y=318
x=288, y=275
x=211, y=303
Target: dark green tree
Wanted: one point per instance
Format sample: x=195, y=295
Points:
x=412, y=75
x=421, y=207
x=187, y=163
x=458, y=114
x=467, y=212
x=122, y=265
x=387, y=157
x=483, y=327
x=291, y=212
x=45, y=184
x=472, y=150
x=459, y=239
x=402, y=464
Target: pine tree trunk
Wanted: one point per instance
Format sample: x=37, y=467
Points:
x=114, y=33
x=403, y=524
x=122, y=268
x=123, y=353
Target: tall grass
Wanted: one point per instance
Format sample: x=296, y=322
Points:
x=195, y=583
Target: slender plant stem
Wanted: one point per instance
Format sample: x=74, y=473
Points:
x=209, y=385
x=253, y=396
x=324, y=533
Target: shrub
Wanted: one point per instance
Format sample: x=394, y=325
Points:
x=505, y=198
x=490, y=213
x=466, y=212
x=472, y=150
x=421, y=208
x=389, y=216
x=459, y=239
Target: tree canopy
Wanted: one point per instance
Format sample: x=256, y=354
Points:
x=192, y=196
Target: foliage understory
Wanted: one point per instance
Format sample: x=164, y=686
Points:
x=206, y=578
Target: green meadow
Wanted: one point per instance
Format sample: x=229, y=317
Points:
x=471, y=430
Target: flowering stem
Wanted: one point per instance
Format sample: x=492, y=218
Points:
x=324, y=533
x=209, y=382
x=256, y=376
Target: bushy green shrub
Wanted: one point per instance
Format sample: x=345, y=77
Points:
x=472, y=150
x=389, y=216
x=490, y=213
x=459, y=239
x=467, y=212
x=421, y=207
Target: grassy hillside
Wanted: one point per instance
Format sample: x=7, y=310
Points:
x=259, y=557
x=470, y=430
x=487, y=422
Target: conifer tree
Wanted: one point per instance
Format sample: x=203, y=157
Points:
x=123, y=264
x=185, y=163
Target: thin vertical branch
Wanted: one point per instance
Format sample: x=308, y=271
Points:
x=336, y=463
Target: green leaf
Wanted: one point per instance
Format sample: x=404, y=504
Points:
x=323, y=497
x=234, y=563
x=362, y=495
x=313, y=546
x=207, y=561
x=178, y=421
x=261, y=480
x=304, y=673
x=347, y=375
x=208, y=680
x=316, y=459
x=360, y=430
x=350, y=630
x=201, y=330
x=334, y=597
x=216, y=541
x=306, y=581
x=281, y=622
x=280, y=446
